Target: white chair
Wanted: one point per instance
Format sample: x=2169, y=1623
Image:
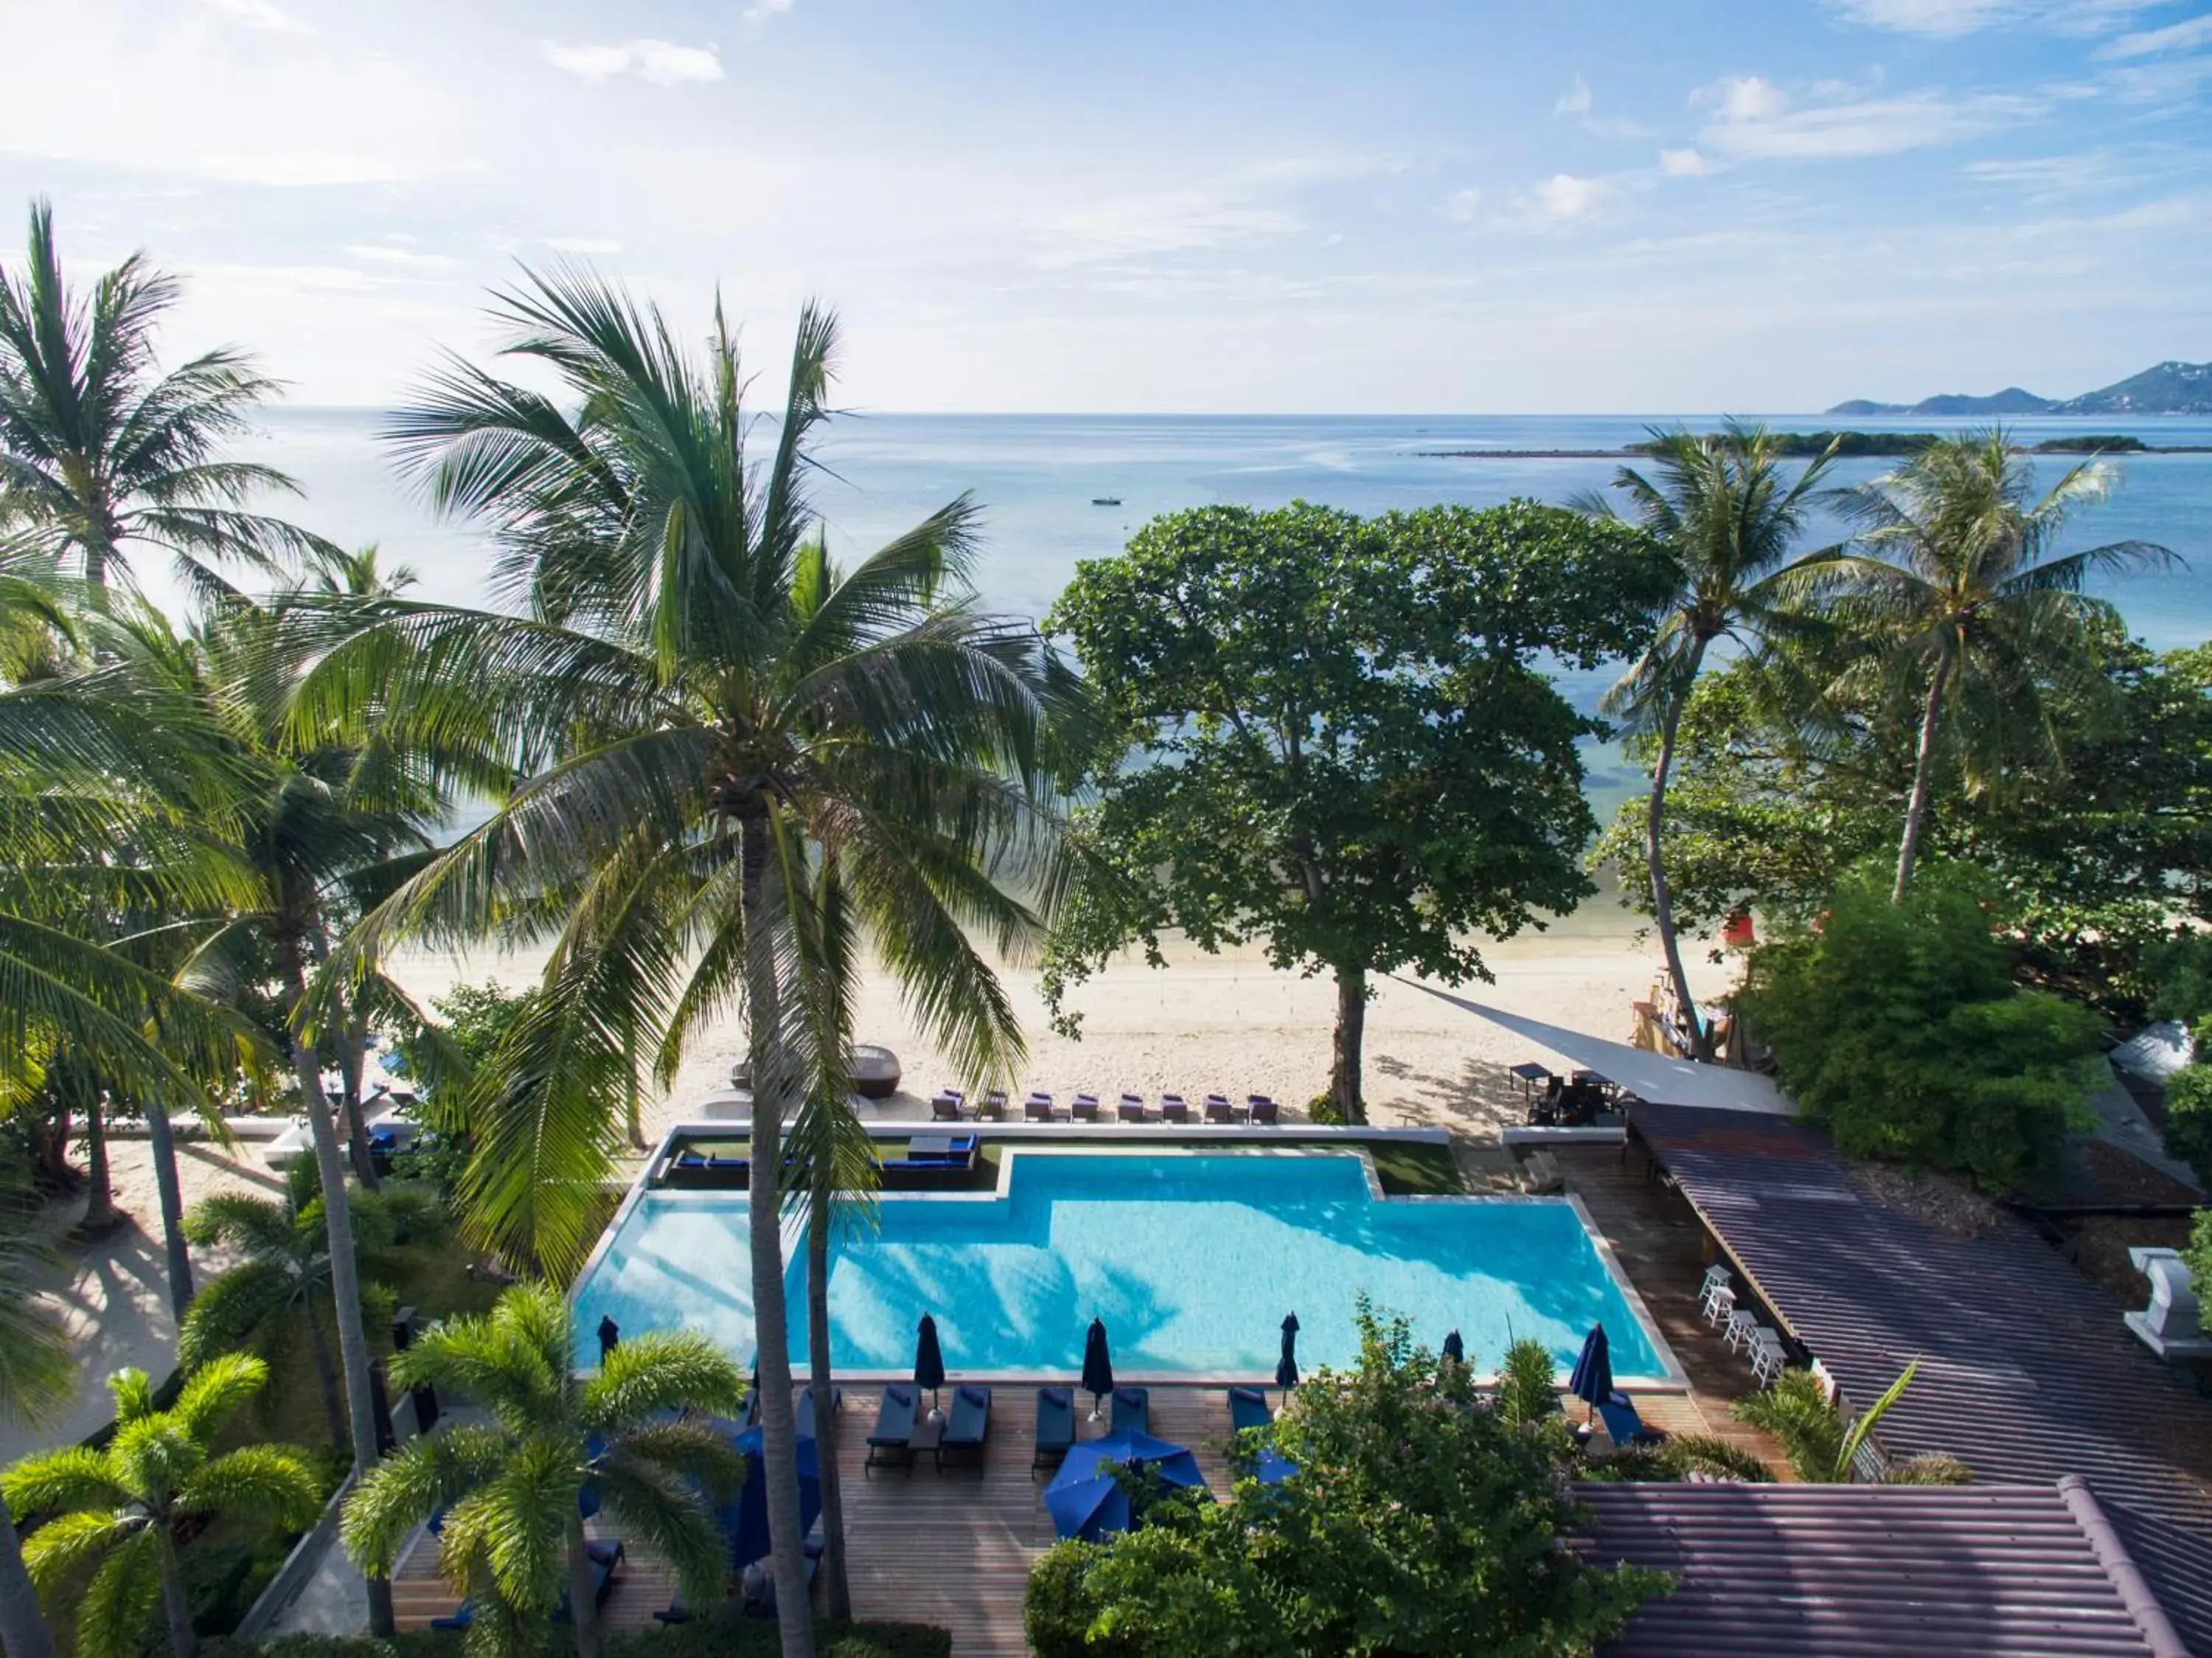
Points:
x=1720, y=1306
x=1768, y=1358
x=1742, y=1329
x=1716, y=1282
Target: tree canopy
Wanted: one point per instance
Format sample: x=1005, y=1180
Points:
x=1336, y=735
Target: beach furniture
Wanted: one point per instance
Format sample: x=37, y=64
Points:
x=1248, y=1408
x=1718, y=1278
x=806, y=1410
x=1742, y=1328
x=1720, y=1304
x=1133, y=1409
x=968, y=1426
x=993, y=1108
x=1260, y=1111
x=1622, y=1425
x=1217, y=1109
x=1055, y=1427
x=1132, y=1108
x=1174, y=1108
x=891, y=1444
x=1769, y=1358
x=945, y=1106
x=1085, y=1108
x=1037, y=1108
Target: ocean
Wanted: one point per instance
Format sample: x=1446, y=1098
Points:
x=1037, y=476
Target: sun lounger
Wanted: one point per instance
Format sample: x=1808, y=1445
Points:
x=1037, y=1108
x=967, y=1427
x=1623, y=1426
x=1248, y=1408
x=945, y=1107
x=993, y=1108
x=1085, y=1108
x=1260, y=1111
x=1133, y=1408
x=805, y=1409
x=1174, y=1108
x=1055, y=1427
x=891, y=1444
x=1132, y=1108
x=1217, y=1109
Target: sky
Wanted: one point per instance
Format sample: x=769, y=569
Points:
x=1251, y=205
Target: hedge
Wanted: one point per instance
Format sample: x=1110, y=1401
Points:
x=710, y=1637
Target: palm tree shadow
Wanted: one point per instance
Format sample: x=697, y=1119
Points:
x=237, y=1168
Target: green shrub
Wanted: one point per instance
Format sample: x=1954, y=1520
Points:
x=2189, y=1109
x=727, y=1636
x=1936, y=1468
x=1797, y=1411
x=1058, y=1607
x=1528, y=1384
x=2198, y=1252
x=1675, y=1458
x=1899, y=1027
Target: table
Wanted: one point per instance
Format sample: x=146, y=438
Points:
x=928, y=1437
x=1531, y=1074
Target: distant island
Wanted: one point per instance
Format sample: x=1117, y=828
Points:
x=2179, y=388
x=1806, y=445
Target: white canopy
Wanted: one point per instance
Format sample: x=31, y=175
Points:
x=1658, y=1077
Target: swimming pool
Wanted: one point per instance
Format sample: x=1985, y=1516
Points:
x=1192, y=1259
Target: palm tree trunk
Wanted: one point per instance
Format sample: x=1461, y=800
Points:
x=1655, y=822
x=345, y=1275
x=1924, y=776
x=326, y=1376
x=351, y=1048
x=583, y=1601
x=1351, y=1038
x=164, y=1147
x=772, y=1087
x=838, y=1594
x=101, y=1213
x=176, y=1610
x=23, y=1631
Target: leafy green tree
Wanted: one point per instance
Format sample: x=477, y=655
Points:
x=100, y=451
x=2199, y=1254
x=281, y=1275
x=38, y=1380
x=1822, y=1447
x=1419, y=1521
x=117, y=1512
x=1332, y=736
x=1727, y=516
x=511, y=1488
x=1977, y=615
x=1898, y=1025
x=707, y=705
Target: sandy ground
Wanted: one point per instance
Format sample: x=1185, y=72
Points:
x=1224, y=1023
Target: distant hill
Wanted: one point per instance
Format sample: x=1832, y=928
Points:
x=2170, y=388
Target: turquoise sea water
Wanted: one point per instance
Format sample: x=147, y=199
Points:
x=1191, y=1260
x=1036, y=477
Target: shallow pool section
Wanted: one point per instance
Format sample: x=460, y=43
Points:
x=1192, y=1258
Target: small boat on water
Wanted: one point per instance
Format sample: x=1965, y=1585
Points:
x=1105, y=500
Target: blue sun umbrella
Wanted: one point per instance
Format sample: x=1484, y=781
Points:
x=1455, y=1347
x=929, y=1362
x=1087, y=1501
x=745, y=1518
x=1287, y=1367
x=1272, y=1467
x=1098, y=1366
x=1592, y=1380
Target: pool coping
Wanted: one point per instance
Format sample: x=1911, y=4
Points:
x=1675, y=1377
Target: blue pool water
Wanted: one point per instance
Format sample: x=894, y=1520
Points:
x=1191, y=1260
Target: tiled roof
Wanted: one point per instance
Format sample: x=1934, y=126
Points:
x=2025, y=1371
x=1874, y=1571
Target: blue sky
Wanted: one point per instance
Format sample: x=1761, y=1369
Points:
x=1770, y=205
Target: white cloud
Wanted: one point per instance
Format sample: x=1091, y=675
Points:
x=385, y=254
x=664, y=62
x=1166, y=222
x=1563, y=196
x=1575, y=100
x=1683, y=163
x=1948, y=19
x=1742, y=98
x=1753, y=118
x=2190, y=33
x=1460, y=206
x=761, y=10
x=259, y=14
x=584, y=244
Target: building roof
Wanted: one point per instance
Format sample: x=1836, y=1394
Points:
x=2026, y=1370
x=1876, y=1571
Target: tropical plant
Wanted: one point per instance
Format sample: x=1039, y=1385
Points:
x=1331, y=735
x=116, y=1513
x=1417, y=1521
x=1978, y=615
x=514, y=1490
x=100, y=451
x=1677, y=1457
x=282, y=1274
x=38, y=1380
x=1899, y=1027
x=1727, y=517
x=1527, y=1385
x=709, y=705
x=1822, y=1448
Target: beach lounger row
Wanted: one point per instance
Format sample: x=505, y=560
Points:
x=951, y=1105
x=897, y=1436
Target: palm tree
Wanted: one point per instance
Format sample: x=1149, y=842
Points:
x=284, y=1266
x=38, y=1380
x=513, y=1489
x=100, y=451
x=113, y=1538
x=1974, y=609
x=709, y=705
x=1725, y=512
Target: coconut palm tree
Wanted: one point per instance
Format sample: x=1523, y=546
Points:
x=100, y=451
x=1725, y=512
x=38, y=1380
x=112, y=1541
x=709, y=705
x=1974, y=610
x=283, y=1267
x=514, y=1490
